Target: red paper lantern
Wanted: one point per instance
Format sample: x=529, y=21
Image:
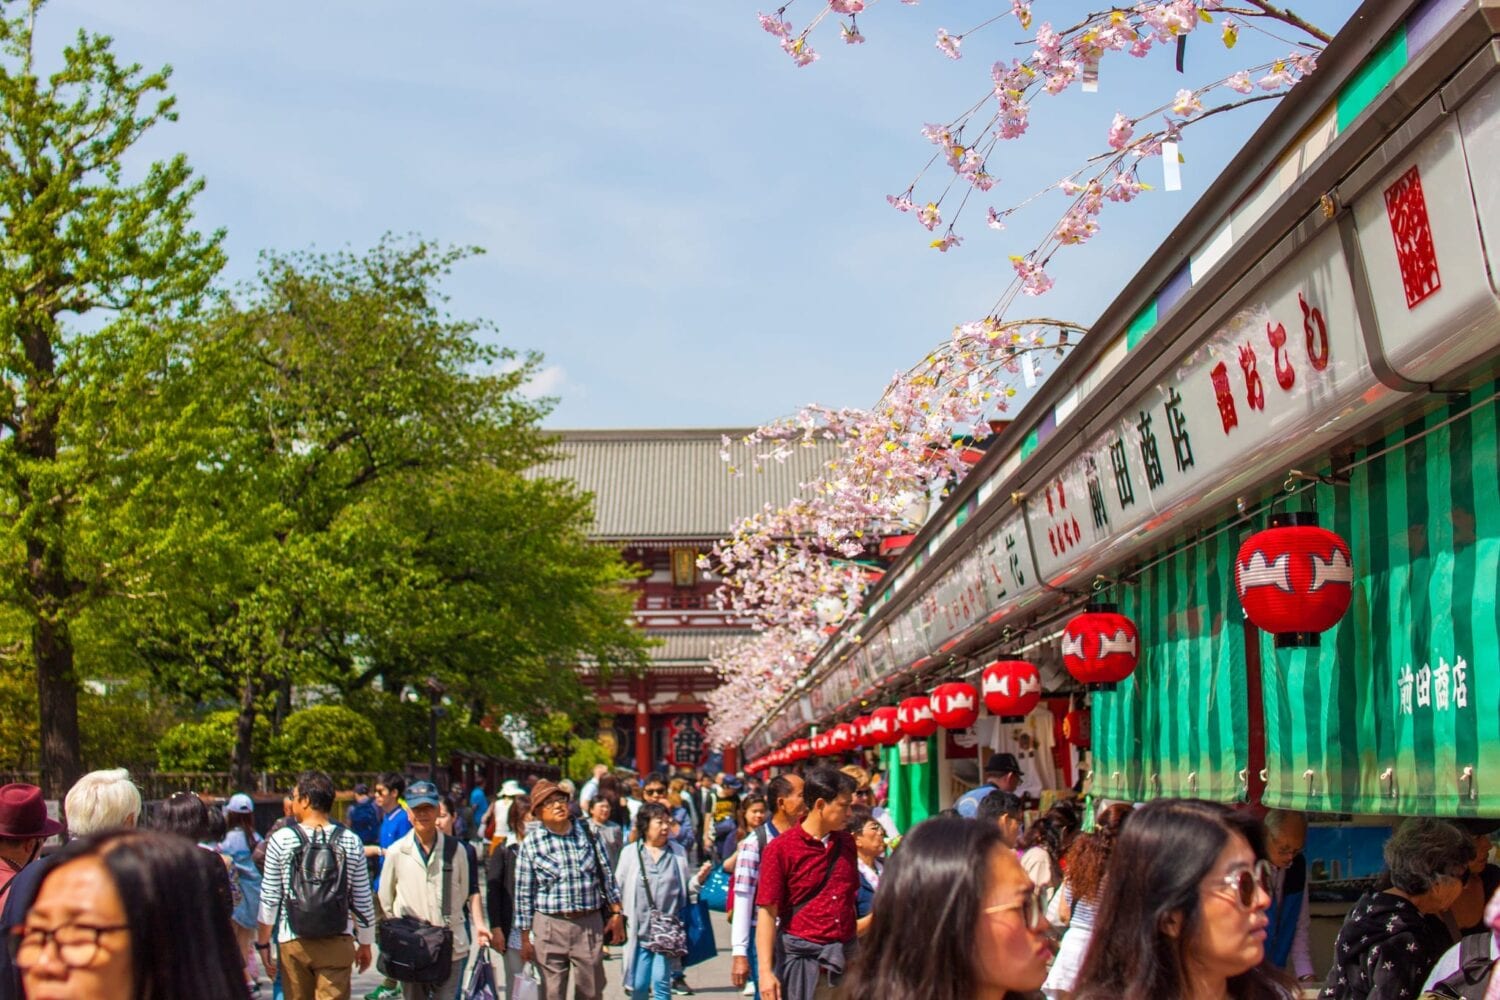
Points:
x=841, y=738
x=1295, y=579
x=955, y=705
x=885, y=726
x=819, y=744
x=1012, y=688
x=1100, y=647
x=861, y=727
x=1077, y=728
x=915, y=718
x=800, y=750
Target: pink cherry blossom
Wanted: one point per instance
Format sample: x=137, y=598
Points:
x=1240, y=82
x=948, y=242
x=1022, y=10
x=1280, y=76
x=992, y=219
x=901, y=203
x=776, y=25
x=982, y=180
x=1120, y=131
x=847, y=6
x=802, y=54
x=851, y=35
x=1034, y=280
x=929, y=216
x=948, y=44
x=1186, y=103
x=1076, y=227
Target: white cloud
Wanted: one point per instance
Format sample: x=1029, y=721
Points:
x=550, y=381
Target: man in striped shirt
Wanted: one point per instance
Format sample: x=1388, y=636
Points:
x=315, y=968
x=785, y=793
x=562, y=881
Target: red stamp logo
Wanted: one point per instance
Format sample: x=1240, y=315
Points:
x=1412, y=229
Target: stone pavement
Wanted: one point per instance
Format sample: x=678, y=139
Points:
x=710, y=979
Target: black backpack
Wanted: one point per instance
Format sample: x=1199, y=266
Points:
x=317, y=900
x=1474, y=965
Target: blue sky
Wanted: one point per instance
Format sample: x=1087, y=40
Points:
x=692, y=230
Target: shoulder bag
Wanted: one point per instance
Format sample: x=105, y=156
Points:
x=663, y=933
x=412, y=950
x=606, y=912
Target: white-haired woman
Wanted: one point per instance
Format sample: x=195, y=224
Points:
x=102, y=800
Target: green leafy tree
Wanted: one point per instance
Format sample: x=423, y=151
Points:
x=352, y=521
x=205, y=745
x=94, y=270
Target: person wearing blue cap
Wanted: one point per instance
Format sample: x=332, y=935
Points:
x=429, y=876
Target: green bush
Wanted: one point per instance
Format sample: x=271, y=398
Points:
x=207, y=745
x=327, y=738
x=586, y=753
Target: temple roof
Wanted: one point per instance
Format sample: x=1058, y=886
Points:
x=671, y=484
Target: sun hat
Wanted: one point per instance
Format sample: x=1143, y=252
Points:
x=239, y=802
x=511, y=789
x=23, y=813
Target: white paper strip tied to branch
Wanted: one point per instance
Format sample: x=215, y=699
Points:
x=1171, y=167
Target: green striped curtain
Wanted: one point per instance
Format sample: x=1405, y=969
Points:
x=913, y=789
x=1404, y=694
x=1177, y=726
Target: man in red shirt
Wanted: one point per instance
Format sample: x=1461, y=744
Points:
x=809, y=881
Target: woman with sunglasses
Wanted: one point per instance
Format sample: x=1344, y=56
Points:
x=1392, y=938
x=1183, y=915
x=946, y=928
x=129, y=915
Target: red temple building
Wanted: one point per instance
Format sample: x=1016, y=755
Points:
x=663, y=497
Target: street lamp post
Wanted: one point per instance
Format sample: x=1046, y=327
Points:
x=435, y=691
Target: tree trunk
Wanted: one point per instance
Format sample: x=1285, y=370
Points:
x=242, y=765
x=47, y=582
x=57, y=699
x=283, y=705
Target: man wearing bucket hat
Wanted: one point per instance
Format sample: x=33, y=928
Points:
x=24, y=825
x=563, y=881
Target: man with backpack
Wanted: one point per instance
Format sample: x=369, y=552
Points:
x=315, y=899
x=785, y=794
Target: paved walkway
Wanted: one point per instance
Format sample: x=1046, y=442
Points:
x=709, y=979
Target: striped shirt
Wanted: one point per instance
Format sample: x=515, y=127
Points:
x=556, y=873
x=746, y=878
x=277, y=881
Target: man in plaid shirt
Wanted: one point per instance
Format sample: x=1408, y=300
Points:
x=788, y=809
x=559, y=895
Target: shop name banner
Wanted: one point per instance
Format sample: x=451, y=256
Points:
x=1441, y=688
x=1278, y=368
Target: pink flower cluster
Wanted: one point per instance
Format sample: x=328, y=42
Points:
x=788, y=570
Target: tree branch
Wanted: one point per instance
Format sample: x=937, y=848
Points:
x=1288, y=16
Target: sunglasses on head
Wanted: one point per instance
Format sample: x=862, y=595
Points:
x=1248, y=882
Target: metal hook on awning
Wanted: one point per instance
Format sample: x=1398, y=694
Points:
x=1311, y=777
x=1388, y=777
x=1466, y=778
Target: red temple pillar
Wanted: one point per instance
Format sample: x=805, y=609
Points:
x=643, y=760
x=731, y=760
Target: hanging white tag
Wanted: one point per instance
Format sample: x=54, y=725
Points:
x=1171, y=165
x=1028, y=373
x=1091, y=75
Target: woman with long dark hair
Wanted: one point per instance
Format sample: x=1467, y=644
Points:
x=1183, y=912
x=129, y=915
x=1045, y=843
x=1085, y=863
x=955, y=919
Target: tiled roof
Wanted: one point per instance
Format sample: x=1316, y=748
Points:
x=666, y=484
x=691, y=645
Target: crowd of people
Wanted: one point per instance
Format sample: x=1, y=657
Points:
x=531, y=891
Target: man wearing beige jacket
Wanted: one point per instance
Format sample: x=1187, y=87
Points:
x=411, y=885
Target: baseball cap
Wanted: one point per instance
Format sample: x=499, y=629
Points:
x=421, y=793
x=361, y=789
x=239, y=802
x=1003, y=763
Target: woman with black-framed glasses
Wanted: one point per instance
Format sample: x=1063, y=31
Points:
x=128, y=915
x=1182, y=915
x=947, y=928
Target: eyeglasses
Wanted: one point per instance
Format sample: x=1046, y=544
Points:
x=1032, y=910
x=863, y=791
x=77, y=944
x=1247, y=882
x=654, y=791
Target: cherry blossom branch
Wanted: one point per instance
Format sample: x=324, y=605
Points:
x=1287, y=16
